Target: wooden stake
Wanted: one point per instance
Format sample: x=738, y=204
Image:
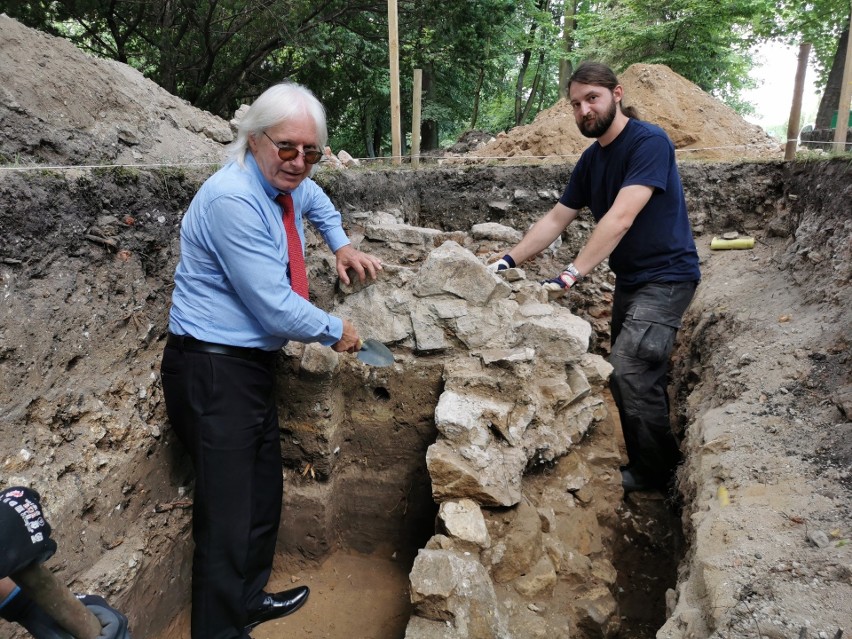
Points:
x=393, y=42
x=415, y=118
x=796, y=108
x=845, y=96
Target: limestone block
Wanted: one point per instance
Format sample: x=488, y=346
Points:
x=380, y=311
x=420, y=628
x=428, y=334
x=496, y=232
x=484, y=327
x=574, y=473
x=464, y=418
x=463, y=520
x=490, y=477
x=319, y=360
x=596, y=369
x=448, y=587
x=447, y=308
x=538, y=581
x=507, y=355
x=557, y=428
x=561, y=335
x=452, y=269
x=520, y=546
x=400, y=233
x=597, y=613
x=604, y=571
x=534, y=308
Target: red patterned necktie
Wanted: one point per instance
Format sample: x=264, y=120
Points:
x=298, y=274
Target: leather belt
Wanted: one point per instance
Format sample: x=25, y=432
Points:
x=189, y=343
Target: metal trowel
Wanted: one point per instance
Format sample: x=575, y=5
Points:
x=374, y=353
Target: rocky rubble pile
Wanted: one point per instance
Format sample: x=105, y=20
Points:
x=520, y=391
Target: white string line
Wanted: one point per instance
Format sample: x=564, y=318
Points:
x=63, y=167
x=386, y=158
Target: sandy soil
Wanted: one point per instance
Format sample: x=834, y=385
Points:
x=700, y=126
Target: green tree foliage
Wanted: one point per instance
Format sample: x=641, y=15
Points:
x=490, y=64
x=707, y=42
x=819, y=22
x=214, y=53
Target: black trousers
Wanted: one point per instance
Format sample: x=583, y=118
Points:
x=645, y=321
x=223, y=409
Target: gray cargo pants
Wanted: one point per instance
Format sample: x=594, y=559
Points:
x=645, y=321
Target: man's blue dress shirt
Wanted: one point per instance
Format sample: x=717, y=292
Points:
x=232, y=284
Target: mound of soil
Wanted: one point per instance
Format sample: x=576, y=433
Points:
x=59, y=105
x=699, y=125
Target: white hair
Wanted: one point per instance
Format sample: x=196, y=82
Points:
x=278, y=104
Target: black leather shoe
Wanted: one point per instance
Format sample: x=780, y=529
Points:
x=278, y=605
x=631, y=481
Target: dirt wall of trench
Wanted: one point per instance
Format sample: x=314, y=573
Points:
x=86, y=269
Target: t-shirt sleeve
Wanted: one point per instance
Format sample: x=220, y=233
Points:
x=649, y=162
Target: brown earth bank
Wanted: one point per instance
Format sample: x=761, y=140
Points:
x=762, y=385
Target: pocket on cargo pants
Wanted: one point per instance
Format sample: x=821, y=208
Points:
x=648, y=334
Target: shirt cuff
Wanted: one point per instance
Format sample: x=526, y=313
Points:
x=335, y=331
x=336, y=238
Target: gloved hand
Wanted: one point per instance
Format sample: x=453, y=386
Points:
x=562, y=282
x=502, y=264
x=113, y=623
x=23, y=529
x=27, y=613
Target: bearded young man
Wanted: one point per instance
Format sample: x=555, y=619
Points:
x=629, y=180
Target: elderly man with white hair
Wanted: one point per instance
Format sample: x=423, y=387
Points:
x=241, y=293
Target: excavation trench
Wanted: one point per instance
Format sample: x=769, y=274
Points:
x=565, y=554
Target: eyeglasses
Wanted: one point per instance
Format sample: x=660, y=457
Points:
x=289, y=152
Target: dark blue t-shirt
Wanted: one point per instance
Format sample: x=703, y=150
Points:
x=659, y=246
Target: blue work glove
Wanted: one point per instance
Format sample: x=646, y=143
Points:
x=502, y=264
x=113, y=623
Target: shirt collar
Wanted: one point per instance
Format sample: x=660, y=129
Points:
x=251, y=164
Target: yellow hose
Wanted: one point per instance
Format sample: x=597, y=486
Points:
x=739, y=243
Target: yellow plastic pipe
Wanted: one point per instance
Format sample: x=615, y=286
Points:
x=738, y=243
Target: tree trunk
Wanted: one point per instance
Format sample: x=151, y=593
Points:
x=831, y=97
x=429, y=128
x=168, y=53
x=377, y=139
x=565, y=66
x=519, y=85
x=534, y=89
x=369, y=131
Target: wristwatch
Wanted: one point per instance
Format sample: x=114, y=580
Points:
x=574, y=272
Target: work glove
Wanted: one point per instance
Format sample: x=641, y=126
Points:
x=113, y=623
x=28, y=614
x=24, y=531
x=502, y=264
x=562, y=282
